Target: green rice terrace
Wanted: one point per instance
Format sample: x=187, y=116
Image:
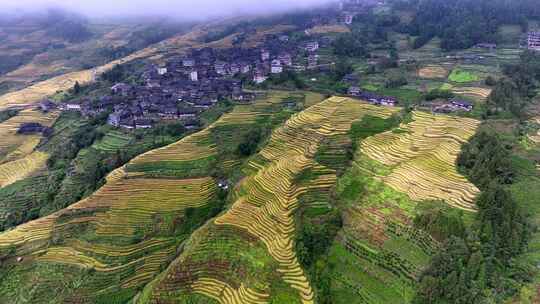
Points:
x=461, y=76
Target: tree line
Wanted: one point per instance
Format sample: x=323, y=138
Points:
x=514, y=92
x=461, y=24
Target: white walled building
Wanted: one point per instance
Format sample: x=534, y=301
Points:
x=276, y=67
x=194, y=76
x=533, y=41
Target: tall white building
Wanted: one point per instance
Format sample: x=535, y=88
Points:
x=276, y=67
x=194, y=76
x=162, y=70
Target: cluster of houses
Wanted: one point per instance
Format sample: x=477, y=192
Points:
x=533, y=41
x=372, y=97
x=183, y=87
x=454, y=105
x=276, y=55
x=168, y=96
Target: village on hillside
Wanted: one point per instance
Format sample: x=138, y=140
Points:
x=182, y=87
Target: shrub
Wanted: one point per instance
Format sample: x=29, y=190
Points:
x=249, y=144
x=396, y=81
x=438, y=93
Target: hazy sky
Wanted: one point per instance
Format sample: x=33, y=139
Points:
x=195, y=9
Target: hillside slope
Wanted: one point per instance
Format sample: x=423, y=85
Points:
x=380, y=252
x=113, y=242
x=28, y=97
x=255, y=237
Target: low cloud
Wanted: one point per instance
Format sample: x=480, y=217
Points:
x=185, y=9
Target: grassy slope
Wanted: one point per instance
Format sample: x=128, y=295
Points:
x=461, y=76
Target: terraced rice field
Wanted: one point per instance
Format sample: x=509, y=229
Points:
x=17, y=156
x=200, y=145
x=477, y=93
x=433, y=72
x=429, y=53
x=40, y=90
x=535, y=137
x=16, y=170
x=422, y=157
x=127, y=231
x=119, y=208
x=113, y=141
x=13, y=145
x=263, y=208
x=379, y=254
x=124, y=231
x=325, y=29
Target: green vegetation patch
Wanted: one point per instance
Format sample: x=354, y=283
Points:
x=370, y=87
x=7, y=114
x=404, y=95
x=180, y=169
x=461, y=76
x=112, y=141
x=355, y=280
x=21, y=201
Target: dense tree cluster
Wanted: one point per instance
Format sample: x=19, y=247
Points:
x=438, y=93
x=250, y=142
x=140, y=39
x=315, y=237
x=395, y=81
x=351, y=45
x=70, y=30
x=485, y=159
x=440, y=221
x=7, y=114
x=514, y=91
x=288, y=78
x=367, y=29
x=116, y=74
x=463, y=23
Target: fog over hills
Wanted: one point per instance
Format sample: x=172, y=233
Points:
x=185, y=9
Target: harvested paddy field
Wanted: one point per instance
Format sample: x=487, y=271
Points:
x=19, y=169
x=325, y=29
x=18, y=158
x=476, y=93
x=433, y=72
